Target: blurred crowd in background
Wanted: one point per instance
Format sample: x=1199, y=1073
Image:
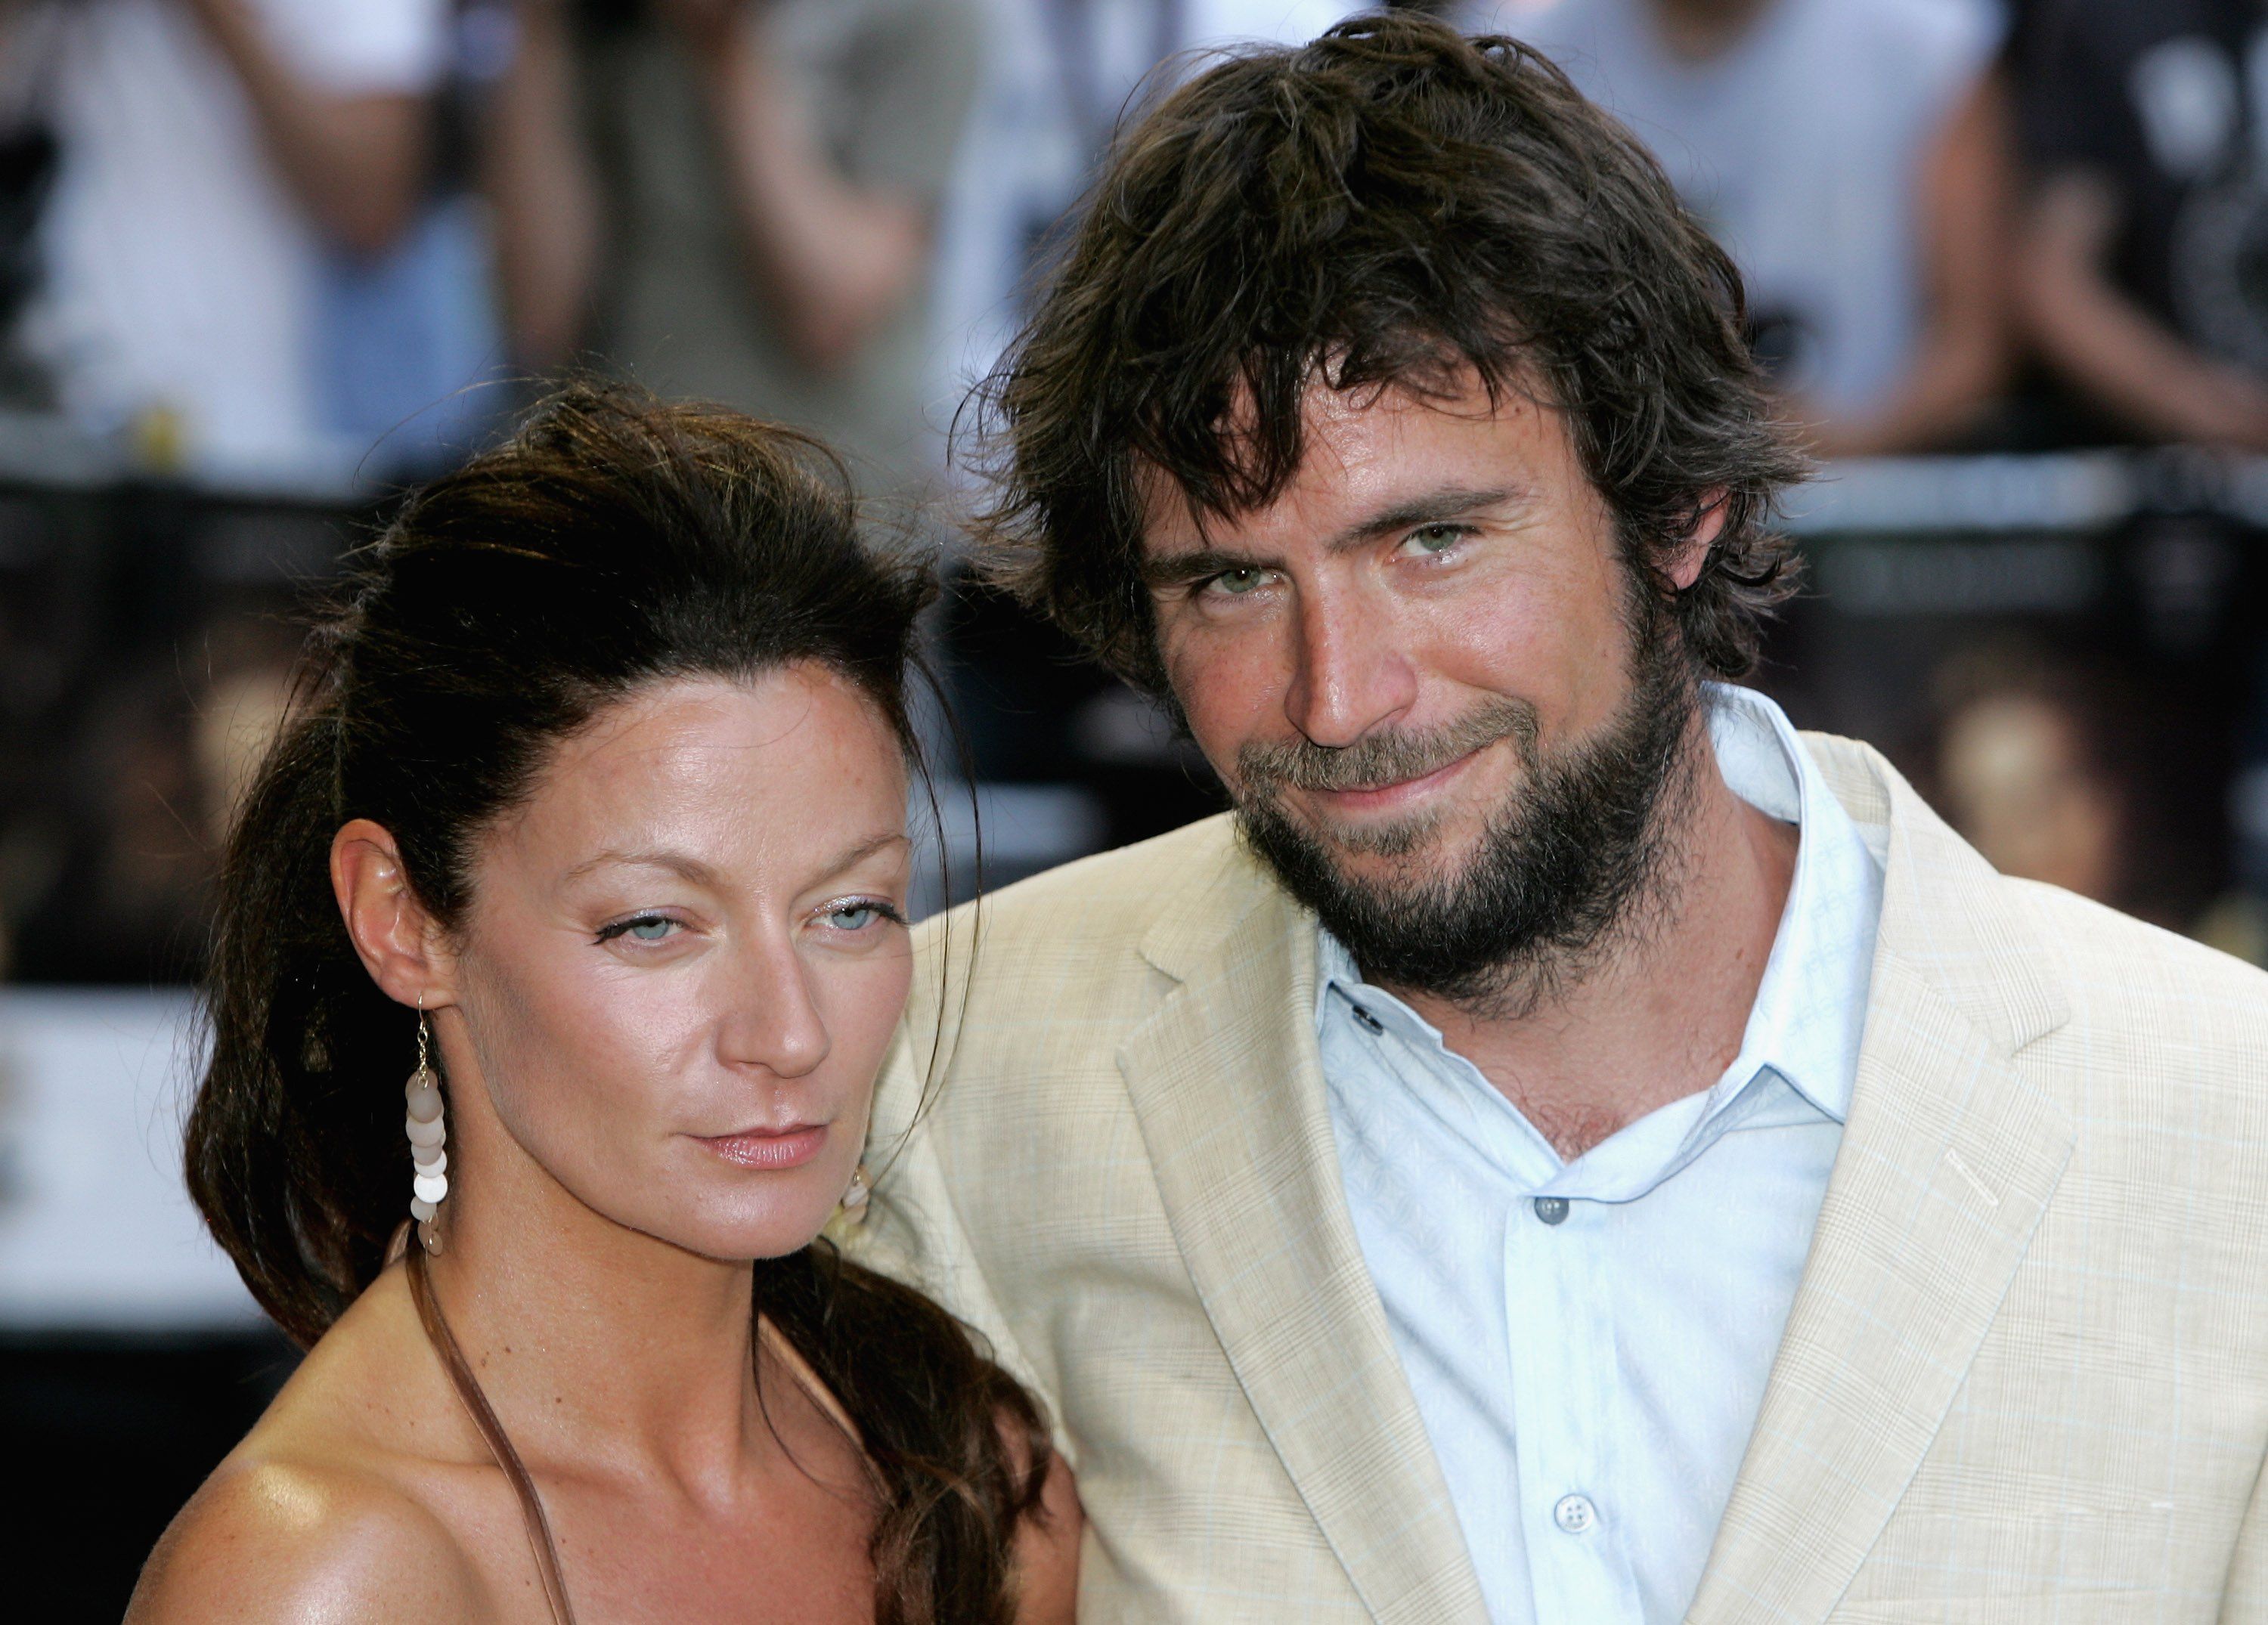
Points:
x=264, y=261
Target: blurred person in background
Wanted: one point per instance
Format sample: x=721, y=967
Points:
x=107, y=880
x=27, y=163
x=239, y=223
x=2027, y=767
x=735, y=200
x=1061, y=76
x=2140, y=274
x=2144, y=128
x=1852, y=156
x=113, y=873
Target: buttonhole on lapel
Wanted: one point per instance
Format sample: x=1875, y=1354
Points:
x=1953, y=1161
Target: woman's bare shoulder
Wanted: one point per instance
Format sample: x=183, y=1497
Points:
x=277, y=1539
x=319, y=1513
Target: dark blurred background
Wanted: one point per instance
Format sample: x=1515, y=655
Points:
x=263, y=262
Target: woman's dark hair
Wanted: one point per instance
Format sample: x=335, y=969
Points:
x=1392, y=203
x=614, y=542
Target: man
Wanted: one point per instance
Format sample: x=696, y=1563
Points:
x=1566, y=1149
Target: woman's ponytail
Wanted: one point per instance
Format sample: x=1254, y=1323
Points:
x=294, y=1156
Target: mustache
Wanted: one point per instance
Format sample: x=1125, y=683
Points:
x=1378, y=760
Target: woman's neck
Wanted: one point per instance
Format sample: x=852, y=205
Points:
x=603, y=1350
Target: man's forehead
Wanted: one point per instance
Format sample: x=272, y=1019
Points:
x=1360, y=447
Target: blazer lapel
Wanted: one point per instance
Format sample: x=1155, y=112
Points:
x=1948, y=1159
x=1227, y=1081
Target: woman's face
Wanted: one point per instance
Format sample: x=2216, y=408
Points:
x=685, y=954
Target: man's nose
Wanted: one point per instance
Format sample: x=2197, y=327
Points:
x=1350, y=672
x=772, y=1021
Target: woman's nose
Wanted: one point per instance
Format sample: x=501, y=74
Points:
x=771, y=1019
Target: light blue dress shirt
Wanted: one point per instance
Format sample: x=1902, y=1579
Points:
x=1589, y=1342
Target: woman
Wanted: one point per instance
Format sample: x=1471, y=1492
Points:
x=592, y=828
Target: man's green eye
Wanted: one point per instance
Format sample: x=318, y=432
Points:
x=1238, y=581
x=1436, y=538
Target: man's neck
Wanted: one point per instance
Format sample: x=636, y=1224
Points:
x=1663, y=1014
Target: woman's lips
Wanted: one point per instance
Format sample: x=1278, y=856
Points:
x=763, y=1148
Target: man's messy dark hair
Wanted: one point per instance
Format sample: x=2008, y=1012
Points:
x=1393, y=204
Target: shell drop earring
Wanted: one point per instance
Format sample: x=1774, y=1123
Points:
x=428, y=1137
x=854, y=1199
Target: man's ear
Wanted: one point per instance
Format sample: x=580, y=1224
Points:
x=399, y=942
x=1684, y=567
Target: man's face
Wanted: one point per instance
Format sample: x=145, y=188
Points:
x=1425, y=674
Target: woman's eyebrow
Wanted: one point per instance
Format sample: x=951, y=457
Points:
x=858, y=852
x=679, y=864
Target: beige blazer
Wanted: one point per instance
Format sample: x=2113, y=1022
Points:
x=2025, y=1378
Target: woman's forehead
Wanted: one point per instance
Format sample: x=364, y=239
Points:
x=726, y=771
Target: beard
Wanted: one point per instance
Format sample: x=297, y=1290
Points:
x=1572, y=864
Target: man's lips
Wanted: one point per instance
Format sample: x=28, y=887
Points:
x=768, y=1148
x=1395, y=798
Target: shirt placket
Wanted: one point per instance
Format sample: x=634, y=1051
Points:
x=1562, y=1362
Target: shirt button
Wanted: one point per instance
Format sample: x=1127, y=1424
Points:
x=1551, y=1209
x=1575, y=1513
x=1371, y=1022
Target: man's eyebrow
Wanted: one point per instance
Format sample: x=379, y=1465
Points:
x=1174, y=569
x=1451, y=503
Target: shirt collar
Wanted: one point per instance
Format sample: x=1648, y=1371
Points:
x=1809, y=1014
x=1810, y=1011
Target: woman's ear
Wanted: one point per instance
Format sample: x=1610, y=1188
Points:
x=399, y=942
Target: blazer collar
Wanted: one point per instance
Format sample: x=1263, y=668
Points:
x=1227, y=1081
x=1948, y=1159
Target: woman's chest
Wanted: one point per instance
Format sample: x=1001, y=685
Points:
x=795, y=1552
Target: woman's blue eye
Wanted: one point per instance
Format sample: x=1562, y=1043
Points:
x=854, y=916
x=646, y=928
